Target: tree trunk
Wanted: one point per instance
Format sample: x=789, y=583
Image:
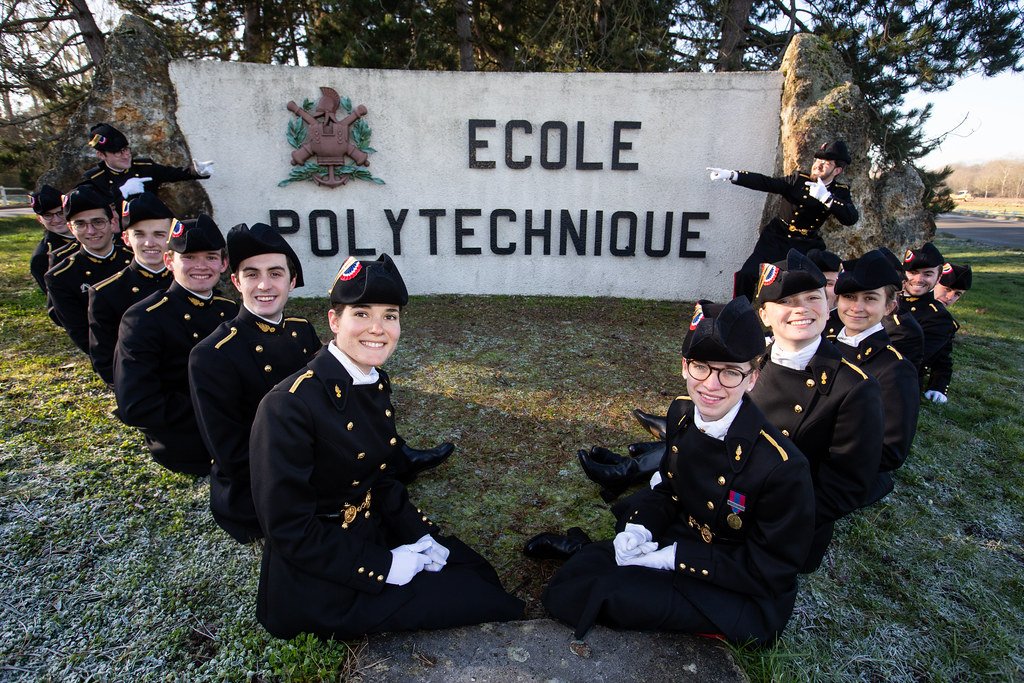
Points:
x=91, y=34
x=734, y=29
x=464, y=30
x=252, y=33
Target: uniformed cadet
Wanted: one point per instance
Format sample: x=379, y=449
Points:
x=236, y=365
x=828, y=407
x=145, y=226
x=346, y=552
x=809, y=199
x=923, y=268
x=56, y=234
x=155, y=338
x=95, y=259
x=867, y=290
x=954, y=281
x=715, y=546
x=119, y=175
x=829, y=264
x=905, y=333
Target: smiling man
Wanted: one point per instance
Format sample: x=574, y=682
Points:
x=56, y=233
x=154, y=341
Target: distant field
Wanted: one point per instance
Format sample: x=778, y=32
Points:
x=991, y=205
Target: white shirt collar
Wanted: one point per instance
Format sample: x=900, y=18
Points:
x=796, y=360
x=272, y=322
x=91, y=253
x=358, y=376
x=720, y=427
x=856, y=339
x=145, y=267
x=198, y=296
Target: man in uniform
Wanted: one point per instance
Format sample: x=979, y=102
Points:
x=809, y=199
x=96, y=259
x=119, y=175
x=56, y=234
x=145, y=224
x=954, y=281
x=154, y=341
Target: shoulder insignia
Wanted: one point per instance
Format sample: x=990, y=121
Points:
x=801, y=174
x=932, y=306
x=225, y=340
x=142, y=161
x=113, y=278
x=841, y=185
x=96, y=174
x=684, y=397
x=893, y=349
x=221, y=298
x=297, y=320
x=855, y=368
x=780, y=449
x=301, y=378
x=896, y=319
x=157, y=305
x=70, y=261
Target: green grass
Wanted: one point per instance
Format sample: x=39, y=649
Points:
x=112, y=568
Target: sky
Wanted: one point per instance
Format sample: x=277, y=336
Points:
x=992, y=111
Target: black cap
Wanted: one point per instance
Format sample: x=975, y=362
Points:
x=200, y=234
x=826, y=261
x=956, y=277
x=729, y=333
x=84, y=198
x=836, y=151
x=925, y=257
x=369, y=282
x=784, y=278
x=105, y=138
x=143, y=207
x=46, y=200
x=245, y=242
x=871, y=271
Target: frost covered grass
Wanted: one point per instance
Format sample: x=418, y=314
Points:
x=112, y=568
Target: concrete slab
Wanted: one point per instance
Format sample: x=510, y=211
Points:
x=543, y=650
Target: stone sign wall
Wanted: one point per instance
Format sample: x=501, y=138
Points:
x=496, y=183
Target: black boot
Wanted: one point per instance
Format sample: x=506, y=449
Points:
x=413, y=460
x=642, y=447
x=652, y=423
x=552, y=546
x=615, y=473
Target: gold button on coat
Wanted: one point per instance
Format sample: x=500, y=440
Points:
x=350, y=426
x=393, y=442
x=711, y=506
x=721, y=481
x=188, y=316
x=810, y=383
x=798, y=408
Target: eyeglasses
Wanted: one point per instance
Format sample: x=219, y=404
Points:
x=95, y=224
x=53, y=215
x=729, y=377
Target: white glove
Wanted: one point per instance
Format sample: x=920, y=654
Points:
x=437, y=553
x=134, y=186
x=819, y=191
x=632, y=542
x=203, y=167
x=659, y=559
x=722, y=174
x=406, y=562
x=935, y=396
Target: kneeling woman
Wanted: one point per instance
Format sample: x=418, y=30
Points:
x=346, y=552
x=716, y=545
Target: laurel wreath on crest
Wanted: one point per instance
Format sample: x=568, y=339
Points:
x=360, y=133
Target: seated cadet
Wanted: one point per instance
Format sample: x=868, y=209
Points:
x=923, y=267
x=905, y=333
x=867, y=290
x=145, y=225
x=95, y=259
x=155, y=338
x=716, y=545
x=346, y=552
x=953, y=283
x=829, y=264
x=119, y=175
x=56, y=234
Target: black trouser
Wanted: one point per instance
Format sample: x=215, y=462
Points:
x=773, y=245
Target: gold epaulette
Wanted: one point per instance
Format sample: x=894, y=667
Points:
x=933, y=307
x=70, y=261
x=157, y=305
x=780, y=449
x=684, y=397
x=297, y=320
x=222, y=342
x=113, y=278
x=301, y=378
x=221, y=298
x=855, y=368
x=97, y=173
x=893, y=349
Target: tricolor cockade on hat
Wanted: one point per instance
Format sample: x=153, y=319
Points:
x=836, y=150
x=83, y=198
x=105, y=138
x=199, y=234
x=927, y=256
x=143, y=207
x=46, y=200
x=873, y=270
x=795, y=274
x=728, y=333
x=956, y=277
x=245, y=242
x=369, y=282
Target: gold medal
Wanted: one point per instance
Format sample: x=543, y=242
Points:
x=733, y=520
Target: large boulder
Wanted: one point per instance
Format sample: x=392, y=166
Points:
x=132, y=91
x=820, y=103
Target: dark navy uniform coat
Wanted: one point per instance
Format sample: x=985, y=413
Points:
x=151, y=372
x=939, y=329
x=229, y=373
x=741, y=512
x=40, y=261
x=109, y=182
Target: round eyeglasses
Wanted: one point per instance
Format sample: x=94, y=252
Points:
x=728, y=377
